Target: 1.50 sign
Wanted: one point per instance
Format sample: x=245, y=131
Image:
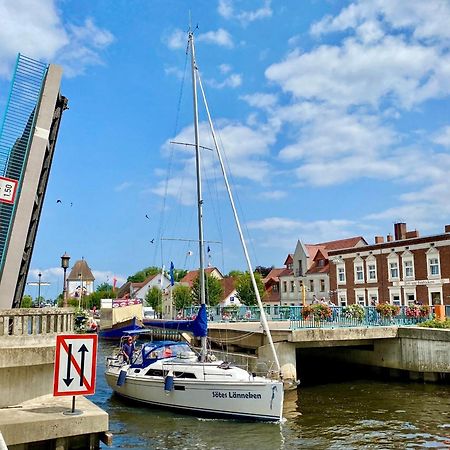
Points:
x=7, y=190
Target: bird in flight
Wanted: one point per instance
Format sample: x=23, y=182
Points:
x=153, y=240
x=147, y=217
x=58, y=201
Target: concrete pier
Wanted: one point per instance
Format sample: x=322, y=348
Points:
x=30, y=417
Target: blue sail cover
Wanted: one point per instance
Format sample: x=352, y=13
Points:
x=198, y=327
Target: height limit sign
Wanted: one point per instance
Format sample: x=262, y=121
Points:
x=75, y=365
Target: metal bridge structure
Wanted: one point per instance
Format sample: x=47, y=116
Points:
x=28, y=136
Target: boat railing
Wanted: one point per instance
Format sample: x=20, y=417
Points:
x=34, y=321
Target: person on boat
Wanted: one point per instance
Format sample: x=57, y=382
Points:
x=128, y=350
x=167, y=353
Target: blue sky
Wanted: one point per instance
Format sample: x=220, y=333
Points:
x=334, y=118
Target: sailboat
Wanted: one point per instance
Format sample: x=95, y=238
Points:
x=171, y=374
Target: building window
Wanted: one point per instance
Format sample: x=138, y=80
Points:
x=284, y=286
x=292, y=286
x=396, y=299
x=321, y=263
x=393, y=268
x=300, y=268
x=360, y=299
x=322, y=285
x=373, y=298
x=408, y=269
x=311, y=285
x=359, y=274
x=341, y=274
x=434, y=266
x=372, y=272
x=342, y=299
x=275, y=288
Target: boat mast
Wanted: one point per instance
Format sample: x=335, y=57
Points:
x=199, y=187
x=264, y=322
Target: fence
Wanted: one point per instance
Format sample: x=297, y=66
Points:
x=24, y=321
x=304, y=317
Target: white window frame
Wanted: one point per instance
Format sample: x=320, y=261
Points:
x=340, y=267
x=432, y=255
x=370, y=294
x=393, y=259
x=408, y=264
x=358, y=266
x=360, y=293
x=371, y=261
x=342, y=297
x=395, y=291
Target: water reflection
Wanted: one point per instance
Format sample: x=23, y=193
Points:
x=348, y=415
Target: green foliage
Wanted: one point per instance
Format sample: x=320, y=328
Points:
x=104, y=287
x=27, y=301
x=435, y=323
x=387, y=310
x=153, y=298
x=182, y=297
x=140, y=276
x=244, y=289
x=264, y=271
x=354, y=312
x=178, y=274
x=214, y=291
x=235, y=273
x=319, y=311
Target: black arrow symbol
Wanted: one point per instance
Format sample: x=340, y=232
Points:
x=83, y=350
x=68, y=380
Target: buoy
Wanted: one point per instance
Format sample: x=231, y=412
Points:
x=168, y=383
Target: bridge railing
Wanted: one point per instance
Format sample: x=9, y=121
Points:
x=303, y=317
x=31, y=321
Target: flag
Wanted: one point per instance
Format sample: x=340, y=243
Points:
x=172, y=281
x=209, y=249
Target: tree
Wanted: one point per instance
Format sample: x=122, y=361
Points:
x=104, y=287
x=178, y=274
x=244, y=289
x=182, y=297
x=235, y=273
x=264, y=271
x=214, y=291
x=153, y=298
x=140, y=276
x=27, y=301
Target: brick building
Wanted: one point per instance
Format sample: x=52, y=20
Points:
x=403, y=269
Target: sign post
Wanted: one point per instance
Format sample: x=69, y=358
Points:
x=8, y=189
x=75, y=366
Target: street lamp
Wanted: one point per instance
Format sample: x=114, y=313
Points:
x=39, y=287
x=80, y=297
x=65, y=264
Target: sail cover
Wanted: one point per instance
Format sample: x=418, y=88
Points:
x=198, y=327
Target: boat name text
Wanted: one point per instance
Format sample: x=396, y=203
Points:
x=219, y=394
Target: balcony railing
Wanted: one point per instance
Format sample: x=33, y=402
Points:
x=30, y=322
x=296, y=318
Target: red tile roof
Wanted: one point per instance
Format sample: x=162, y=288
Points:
x=342, y=243
x=228, y=285
x=276, y=273
x=193, y=274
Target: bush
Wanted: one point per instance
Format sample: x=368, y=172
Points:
x=387, y=310
x=436, y=323
x=417, y=311
x=354, y=312
x=319, y=311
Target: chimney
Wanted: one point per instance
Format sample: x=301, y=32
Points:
x=400, y=231
x=389, y=238
x=379, y=239
x=447, y=228
x=412, y=234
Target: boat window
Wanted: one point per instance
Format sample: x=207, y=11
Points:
x=184, y=375
x=154, y=373
x=179, y=388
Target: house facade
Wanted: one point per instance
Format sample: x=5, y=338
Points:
x=309, y=268
x=80, y=281
x=404, y=269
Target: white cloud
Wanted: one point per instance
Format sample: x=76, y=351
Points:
x=233, y=81
x=274, y=195
x=357, y=74
x=220, y=37
x=225, y=68
x=442, y=137
x=37, y=30
x=260, y=100
x=123, y=186
x=227, y=10
x=176, y=40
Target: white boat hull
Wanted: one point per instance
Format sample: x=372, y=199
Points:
x=256, y=398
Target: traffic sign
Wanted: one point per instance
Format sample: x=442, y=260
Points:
x=75, y=364
x=8, y=189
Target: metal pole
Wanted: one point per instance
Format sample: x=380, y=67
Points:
x=39, y=287
x=65, y=289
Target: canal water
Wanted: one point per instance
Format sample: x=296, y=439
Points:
x=357, y=414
